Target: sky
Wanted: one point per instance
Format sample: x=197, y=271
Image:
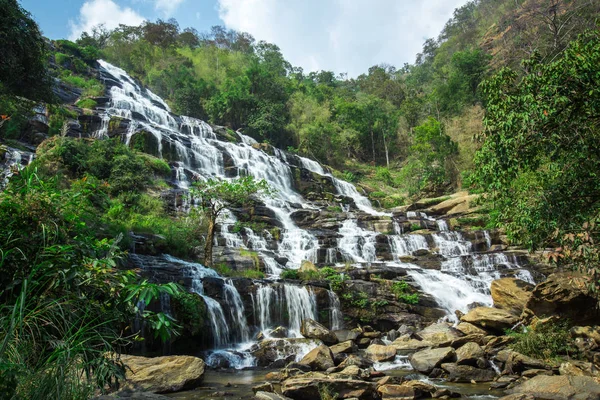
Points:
x=344, y=36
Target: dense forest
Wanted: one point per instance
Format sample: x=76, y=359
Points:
x=505, y=102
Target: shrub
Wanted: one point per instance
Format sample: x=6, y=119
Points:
x=290, y=274
x=86, y=103
x=401, y=289
x=546, y=341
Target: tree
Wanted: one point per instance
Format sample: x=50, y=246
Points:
x=217, y=195
x=541, y=151
x=22, y=54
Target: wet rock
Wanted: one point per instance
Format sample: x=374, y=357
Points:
x=310, y=387
x=469, y=354
x=279, y=333
x=511, y=294
x=467, y=373
x=270, y=350
x=319, y=359
x=163, y=374
x=559, y=387
x=264, y=387
x=565, y=295
x=313, y=330
x=269, y=396
x=345, y=347
x=379, y=353
x=441, y=334
x=490, y=318
x=425, y=361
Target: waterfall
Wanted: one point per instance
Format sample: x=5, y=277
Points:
x=299, y=303
x=357, y=244
x=336, y=319
x=196, y=151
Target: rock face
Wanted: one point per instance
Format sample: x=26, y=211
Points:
x=163, y=374
x=311, y=329
x=377, y=353
x=511, y=294
x=565, y=295
x=560, y=387
x=319, y=359
x=426, y=360
x=490, y=318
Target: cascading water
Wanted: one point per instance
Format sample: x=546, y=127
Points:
x=195, y=151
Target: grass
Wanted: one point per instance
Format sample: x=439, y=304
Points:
x=86, y=103
x=91, y=87
x=401, y=290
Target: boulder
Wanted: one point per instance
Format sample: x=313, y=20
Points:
x=565, y=295
x=399, y=392
x=163, y=374
x=511, y=294
x=319, y=359
x=490, y=318
x=440, y=334
x=263, y=387
x=311, y=329
x=345, y=334
x=467, y=373
x=405, y=345
x=587, y=332
x=269, y=396
x=515, y=363
x=352, y=359
x=425, y=361
x=269, y=351
x=469, y=354
x=131, y=395
x=310, y=387
x=345, y=347
x=559, y=387
x=378, y=353
x=470, y=329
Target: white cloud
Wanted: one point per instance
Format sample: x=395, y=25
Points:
x=167, y=7
x=341, y=35
x=107, y=12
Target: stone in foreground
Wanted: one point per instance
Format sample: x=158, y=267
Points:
x=559, y=388
x=319, y=359
x=163, y=374
x=490, y=318
x=426, y=360
x=311, y=329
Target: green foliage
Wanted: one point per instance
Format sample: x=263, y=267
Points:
x=60, y=284
x=190, y=310
x=23, y=63
x=546, y=341
x=427, y=167
x=401, y=289
x=290, y=274
x=539, y=156
x=91, y=87
x=86, y=103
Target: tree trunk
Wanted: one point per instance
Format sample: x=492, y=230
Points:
x=373, y=145
x=208, y=246
x=387, y=155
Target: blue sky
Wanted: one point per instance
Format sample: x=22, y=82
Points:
x=345, y=36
